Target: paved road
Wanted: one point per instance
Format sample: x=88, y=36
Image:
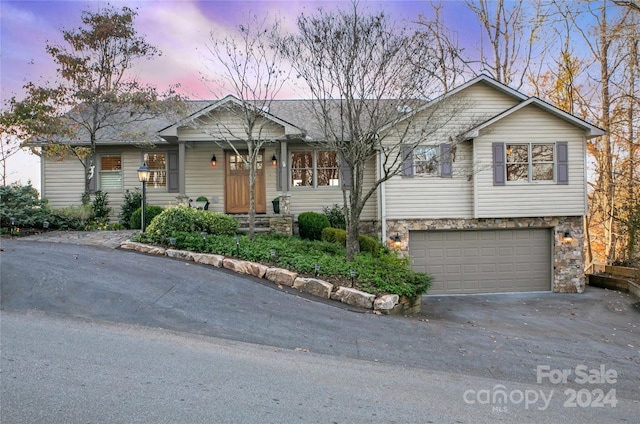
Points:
x=502, y=338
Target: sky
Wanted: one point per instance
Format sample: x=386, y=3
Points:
x=179, y=28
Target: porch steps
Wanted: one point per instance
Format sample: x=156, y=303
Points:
x=261, y=223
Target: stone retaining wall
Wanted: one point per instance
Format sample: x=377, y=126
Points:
x=384, y=304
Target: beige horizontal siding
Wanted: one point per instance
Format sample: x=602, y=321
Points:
x=531, y=199
x=435, y=197
x=421, y=197
x=226, y=125
x=64, y=182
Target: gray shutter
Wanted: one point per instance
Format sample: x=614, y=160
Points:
x=446, y=167
x=407, y=161
x=562, y=152
x=173, y=184
x=345, y=173
x=499, y=171
x=93, y=182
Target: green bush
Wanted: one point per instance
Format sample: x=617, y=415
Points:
x=100, y=209
x=132, y=201
x=189, y=220
x=339, y=236
x=22, y=203
x=335, y=215
x=334, y=235
x=311, y=224
x=149, y=213
x=71, y=217
x=369, y=244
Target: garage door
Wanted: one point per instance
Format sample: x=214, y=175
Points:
x=487, y=261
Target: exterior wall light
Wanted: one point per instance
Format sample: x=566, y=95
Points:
x=566, y=237
x=274, y=160
x=397, y=241
x=214, y=161
x=143, y=176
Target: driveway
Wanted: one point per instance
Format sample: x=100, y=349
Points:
x=503, y=337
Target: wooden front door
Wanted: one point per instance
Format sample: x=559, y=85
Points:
x=237, y=184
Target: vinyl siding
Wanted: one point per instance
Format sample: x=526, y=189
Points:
x=530, y=124
x=422, y=197
x=64, y=182
x=226, y=125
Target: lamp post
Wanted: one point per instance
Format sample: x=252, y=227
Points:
x=143, y=177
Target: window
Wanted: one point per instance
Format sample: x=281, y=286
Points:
x=314, y=169
x=111, y=173
x=239, y=162
x=426, y=160
x=530, y=162
x=157, y=164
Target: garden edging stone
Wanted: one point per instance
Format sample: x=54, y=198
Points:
x=387, y=303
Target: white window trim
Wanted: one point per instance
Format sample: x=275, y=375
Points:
x=101, y=172
x=166, y=170
x=438, y=162
x=530, y=164
x=314, y=168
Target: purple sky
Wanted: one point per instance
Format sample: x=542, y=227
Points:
x=178, y=28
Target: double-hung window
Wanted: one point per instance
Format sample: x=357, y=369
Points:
x=426, y=160
x=111, y=173
x=157, y=164
x=314, y=168
x=530, y=162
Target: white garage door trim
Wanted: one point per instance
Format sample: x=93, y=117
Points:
x=484, y=261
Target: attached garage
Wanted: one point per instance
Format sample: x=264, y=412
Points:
x=483, y=261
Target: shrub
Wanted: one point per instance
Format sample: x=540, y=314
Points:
x=189, y=220
x=132, y=201
x=339, y=236
x=149, y=213
x=334, y=235
x=22, y=203
x=71, y=217
x=100, y=209
x=311, y=224
x=335, y=215
x=369, y=244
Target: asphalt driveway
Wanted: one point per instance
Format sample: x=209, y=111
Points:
x=505, y=337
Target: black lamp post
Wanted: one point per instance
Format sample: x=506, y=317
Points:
x=143, y=177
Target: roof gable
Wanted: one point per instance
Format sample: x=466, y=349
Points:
x=172, y=130
x=590, y=130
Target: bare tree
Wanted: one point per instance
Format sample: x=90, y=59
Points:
x=249, y=67
x=365, y=91
x=451, y=65
x=512, y=35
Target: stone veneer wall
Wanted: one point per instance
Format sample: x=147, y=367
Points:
x=568, y=255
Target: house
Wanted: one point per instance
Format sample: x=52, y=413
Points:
x=493, y=202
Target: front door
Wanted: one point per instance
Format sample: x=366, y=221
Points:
x=237, y=184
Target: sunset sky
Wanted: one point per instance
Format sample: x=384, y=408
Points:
x=179, y=28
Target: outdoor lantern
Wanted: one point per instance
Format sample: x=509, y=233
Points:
x=45, y=225
x=352, y=273
x=214, y=161
x=567, y=237
x=317, y=268
x=397, y=241
x=274, y=160
x=173, y=241
x=204, y=235
x=13, y=221
x=143, y=176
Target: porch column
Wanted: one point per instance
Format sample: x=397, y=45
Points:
x=181, y=168
x=284, y=175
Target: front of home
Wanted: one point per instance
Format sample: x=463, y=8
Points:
x=492, y=202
